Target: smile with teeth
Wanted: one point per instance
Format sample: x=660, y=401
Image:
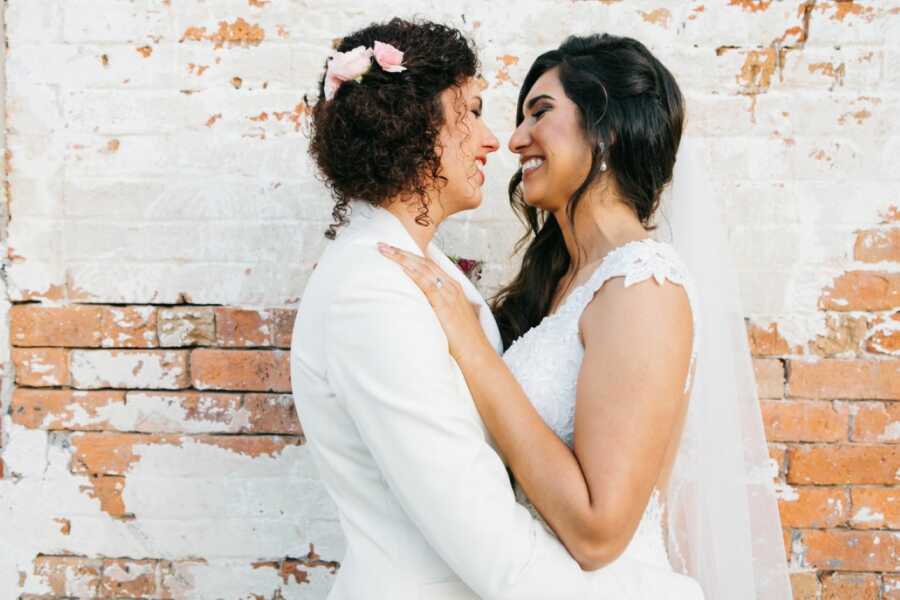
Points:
x=531, y=164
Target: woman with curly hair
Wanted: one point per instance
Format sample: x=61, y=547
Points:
x=423, y=498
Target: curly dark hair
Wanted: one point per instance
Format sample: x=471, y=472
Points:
x=377, y=138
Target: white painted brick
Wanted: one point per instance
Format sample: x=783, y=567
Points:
x=129, y=369
x=733, y=25
x=133, y=21
x=29, y=21
x=33, y=109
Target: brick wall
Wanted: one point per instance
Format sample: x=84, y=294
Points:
x=161, y=217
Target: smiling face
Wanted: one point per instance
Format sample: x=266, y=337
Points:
x=464, y=144
x=553, y=151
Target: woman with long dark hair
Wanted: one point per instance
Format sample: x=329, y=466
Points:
x=624, y=411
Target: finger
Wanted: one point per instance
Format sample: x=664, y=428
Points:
x=401, y=256
x=423, y=267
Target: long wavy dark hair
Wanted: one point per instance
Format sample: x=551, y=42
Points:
x=377, y=138
x=632, y=113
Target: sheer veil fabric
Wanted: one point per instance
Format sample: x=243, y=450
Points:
x=723, y=527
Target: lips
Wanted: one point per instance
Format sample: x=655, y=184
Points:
x=480, y=163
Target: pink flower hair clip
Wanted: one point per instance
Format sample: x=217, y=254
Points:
x=353, y=64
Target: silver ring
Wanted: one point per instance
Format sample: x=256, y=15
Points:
x=438, y=282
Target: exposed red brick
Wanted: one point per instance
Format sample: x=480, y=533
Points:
x=108, y=489
x=296, y=569
x=814, y=507
x=127, y=578
x=804, y=421
x=62, y=409
x=245, y=370
x=129, y=327
x=769, y=377
x=876, y=245
x=843, y=463
x=768, y=341
x=283, y=321
x=876, y=422
x=55, y=326
x=243, y=328
x=69, y=576
x=41, y=367
x=270, y=413
x=885, y=335
x=805, y=585
x=850, y=379
x=862, y=290
x=114, y=453
x=186, y=326
x=253, y=446
x=847, y=550
x=751, y=5
x=875, y=507
x=759, y=66
x=843, y=335
x=858, y=586
x=111, y=453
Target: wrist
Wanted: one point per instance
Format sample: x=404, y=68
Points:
x=476, y=353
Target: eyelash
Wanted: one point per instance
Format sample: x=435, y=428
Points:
x=540, y=113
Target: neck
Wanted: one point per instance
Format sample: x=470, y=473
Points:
x=600, y=225
x=407, y=210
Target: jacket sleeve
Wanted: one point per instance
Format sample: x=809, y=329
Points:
x=388, y=361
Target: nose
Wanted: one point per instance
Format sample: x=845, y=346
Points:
x=490, y=142
x=519, y=140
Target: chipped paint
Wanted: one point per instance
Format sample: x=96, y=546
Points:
x=239, y=33
x=756, y=73
x=506, y=61
x=751, y=5
x=659, y=16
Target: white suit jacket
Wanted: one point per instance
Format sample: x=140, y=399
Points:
x=423, y=498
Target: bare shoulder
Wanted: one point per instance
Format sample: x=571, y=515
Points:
x=620, y=312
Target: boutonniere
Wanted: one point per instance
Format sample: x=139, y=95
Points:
x=470, y=267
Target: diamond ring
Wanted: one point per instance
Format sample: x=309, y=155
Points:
x=438, y=282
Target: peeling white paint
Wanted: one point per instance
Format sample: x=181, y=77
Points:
x=866, y=515
x=91, y=369
x=786, y=492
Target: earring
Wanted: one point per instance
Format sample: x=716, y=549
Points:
x=603, y=165
x=602, y=146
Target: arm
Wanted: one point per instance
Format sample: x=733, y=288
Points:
x=389, y=362
x=637, y=351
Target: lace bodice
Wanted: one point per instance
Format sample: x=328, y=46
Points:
x=547, y=358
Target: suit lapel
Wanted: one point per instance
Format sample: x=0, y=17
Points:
x=379, y=225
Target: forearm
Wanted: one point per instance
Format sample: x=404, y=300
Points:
x=547, y=469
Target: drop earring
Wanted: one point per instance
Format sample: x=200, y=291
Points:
x=603, y=166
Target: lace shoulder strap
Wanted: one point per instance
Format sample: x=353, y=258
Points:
x=638, y=261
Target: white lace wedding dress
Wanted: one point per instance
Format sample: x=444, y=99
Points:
x=546, y=361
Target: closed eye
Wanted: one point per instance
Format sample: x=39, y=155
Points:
x=539, y=113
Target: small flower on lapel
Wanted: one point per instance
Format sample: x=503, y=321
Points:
x=471, y=268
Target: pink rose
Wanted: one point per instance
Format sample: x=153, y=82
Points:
x=388, y=57
x=346, y=66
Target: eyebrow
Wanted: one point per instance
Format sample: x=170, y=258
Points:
x=533, y=101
